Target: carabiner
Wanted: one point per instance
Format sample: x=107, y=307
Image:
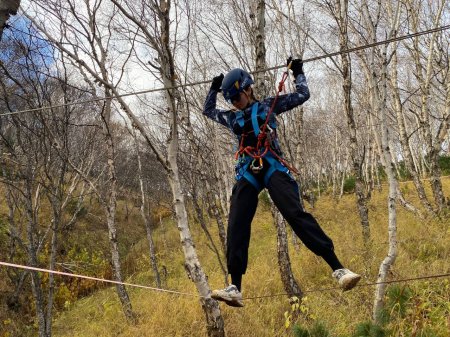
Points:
x=256, y=168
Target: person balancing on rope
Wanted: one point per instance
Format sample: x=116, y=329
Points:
x=260, y=165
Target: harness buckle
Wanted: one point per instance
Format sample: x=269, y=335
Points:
x=255, y=166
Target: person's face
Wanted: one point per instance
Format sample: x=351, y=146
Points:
x=242, y=100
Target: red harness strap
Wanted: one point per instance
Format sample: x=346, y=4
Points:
x=255, y=152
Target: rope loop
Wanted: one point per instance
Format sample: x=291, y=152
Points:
x=263, y=139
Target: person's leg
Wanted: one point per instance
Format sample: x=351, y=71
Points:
x=244, y=201
x=236, y=279
x=284, y=192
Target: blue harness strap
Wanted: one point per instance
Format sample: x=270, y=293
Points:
x=252, y=180
x=243, y=172
x=255, y=123
x=240, y=118
x=274, y=164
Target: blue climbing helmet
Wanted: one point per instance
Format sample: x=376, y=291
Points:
x=235, y=82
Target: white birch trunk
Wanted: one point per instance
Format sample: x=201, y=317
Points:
x=406, y=149
x=217, y=215
x=225, y=184
x=424, y=119
x=362, y=198
x=144, y=214
x=379, y=108
x=36, y=281
x=258, y=10
x=290, y=284
x=51, y=281
x=110, y=207
x=215, y=323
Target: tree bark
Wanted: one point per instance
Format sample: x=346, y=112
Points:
x=407, y=155
x=378, y=104
x=215, y=323
x=144, y=211
x=110, y=207
x=424, y=118
x=257, y=14
x=258, y=20
x=36, y=282
x=357, y=162
x=290, y=284
x=214, y=211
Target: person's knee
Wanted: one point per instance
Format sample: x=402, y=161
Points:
x=295, y=217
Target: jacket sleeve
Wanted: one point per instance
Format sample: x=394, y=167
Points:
x=289, y=101
x=218, y=115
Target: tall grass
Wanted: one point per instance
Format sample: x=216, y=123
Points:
x=423, y=250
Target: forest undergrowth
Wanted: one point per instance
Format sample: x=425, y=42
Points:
x=415, y=308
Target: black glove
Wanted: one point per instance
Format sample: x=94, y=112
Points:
x=216, y=83
x=296, y=66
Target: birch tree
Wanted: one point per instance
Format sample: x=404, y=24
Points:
x=424, y=72
x=161, y=44
x=33, y=170
x=144, y=213
x=404, y=138
x=339, y=11
x=378, y=83
x=87, y=27
x=258, y=23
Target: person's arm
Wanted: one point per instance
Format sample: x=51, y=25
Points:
x=210, y=111
x=301, y=95
x=209, y=108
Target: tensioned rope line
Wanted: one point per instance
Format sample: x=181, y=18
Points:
x=359, y=285
x=347, y=51
x=19, y=266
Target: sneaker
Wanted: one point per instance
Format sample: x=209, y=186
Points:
x=230, y=295
x=346, y=278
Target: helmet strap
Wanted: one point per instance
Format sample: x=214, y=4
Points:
x=251, y=97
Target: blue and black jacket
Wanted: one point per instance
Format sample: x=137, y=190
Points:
x=249, y=121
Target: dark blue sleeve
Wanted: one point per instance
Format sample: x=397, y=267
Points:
x=289, y=101
x=218, y=115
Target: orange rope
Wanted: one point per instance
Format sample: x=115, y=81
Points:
x=254, y=152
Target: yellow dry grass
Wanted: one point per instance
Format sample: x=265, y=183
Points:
x=423, y=250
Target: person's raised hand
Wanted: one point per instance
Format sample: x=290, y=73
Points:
x=296, y=66
x=217, y=82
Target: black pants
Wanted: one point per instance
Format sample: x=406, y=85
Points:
x=284, y=192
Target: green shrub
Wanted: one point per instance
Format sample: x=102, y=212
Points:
x=398, y=298
x=349, y=184
x=403, y=171
x=300, y=332
x=444, y=164
x=369, y=329
x=318, y=329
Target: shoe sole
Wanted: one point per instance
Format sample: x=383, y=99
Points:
x=352, y=283
x=232, y=302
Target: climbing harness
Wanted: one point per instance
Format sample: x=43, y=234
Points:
x=265, y=138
